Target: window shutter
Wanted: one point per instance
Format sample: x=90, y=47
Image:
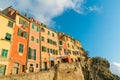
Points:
x=34, y=54
x=25, y=34
x=20, y=21
x=32, y=26
x=8, y=36
x=29, y=53
x=19, y=32
x=10, y=24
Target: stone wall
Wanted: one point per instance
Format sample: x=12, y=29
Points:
x=71, y=71
x=46, y=75
x=64, y=71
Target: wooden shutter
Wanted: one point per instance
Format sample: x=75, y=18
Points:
x=34, y=54
x=29, y=53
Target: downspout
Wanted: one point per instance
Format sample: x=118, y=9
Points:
x=40, y=48
x=27, y=45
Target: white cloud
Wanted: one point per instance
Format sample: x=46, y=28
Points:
x=94, y=9
x=46, y=10
x=115, y=68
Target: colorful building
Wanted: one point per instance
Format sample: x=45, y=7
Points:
x=49, y=47
x=27, y=44
x=6, y=35
x=19, y=47
x=33, y=62
x=64, y=56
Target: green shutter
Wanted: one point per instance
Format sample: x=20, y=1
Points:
x=10, y=24
x=25, y=34
x=4, y=52
x=8, y=36
x=20, y=21
x=29, y=53
x=37, y=40
x=48, y=50
x=19, y=32
x=42, y=38
x=34, y=54
x=32, y=26
x=37, y=29
x=51, y=41
x=60, y=42
x=48, y=32
x=21, y=48
x=53, y=34
x=32, y=38
x=56, y=52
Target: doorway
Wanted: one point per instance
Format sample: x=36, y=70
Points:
x=45, y=65
x=52, y=63
x=2, y=70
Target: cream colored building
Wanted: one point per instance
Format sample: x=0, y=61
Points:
x=49, y=47
x=6, y=33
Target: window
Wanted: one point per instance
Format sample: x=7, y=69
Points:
x=37, y=29
x=10, y=24
x=22, y=33
x=56, y=52
x=48, y=50
x=32, y=38
x=32, y=53
x=43, y=49
x=51, y=41
x=54, y=43
x=29, y=53
x=20, y=21
x=37, y=40
x=32, y=26
x=60, y=48
x=48, y=40
x=69, y=51
x=42, y=38
x=53, y=34
x=23, y=22
x=60, y=42
x=42, y=30
x=72, y=46
x=21, y=47
x=23, y=68
x=68, y=45
x=48, y=32
x=8, y=36
x=4, y=53
x=65, y=51
x=36, y=65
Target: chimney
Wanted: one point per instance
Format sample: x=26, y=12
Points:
x=26, y=15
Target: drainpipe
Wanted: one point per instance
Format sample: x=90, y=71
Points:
x=27, y=45
x=40, y=48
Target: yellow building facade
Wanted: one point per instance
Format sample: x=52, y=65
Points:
x=6, y=34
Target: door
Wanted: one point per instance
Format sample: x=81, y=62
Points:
x=15, y=70
x=2, y=70
x=45, y=65
x=52, y=63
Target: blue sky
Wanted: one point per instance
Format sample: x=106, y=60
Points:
x=96, y=23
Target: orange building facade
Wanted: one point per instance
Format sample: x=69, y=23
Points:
x=33, y=62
